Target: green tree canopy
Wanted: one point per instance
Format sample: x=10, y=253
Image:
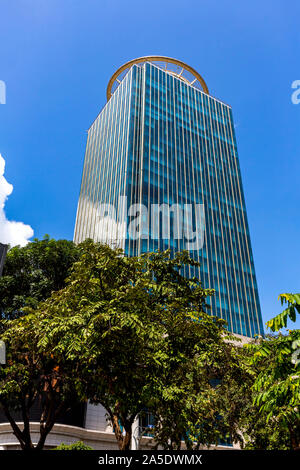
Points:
x=32, y=272
x=127, y=333
x=140, y=333
x=276, y=362
x=31, y=376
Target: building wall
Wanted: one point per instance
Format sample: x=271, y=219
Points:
x=60, y=433
x=105, y=165
x=96, y=418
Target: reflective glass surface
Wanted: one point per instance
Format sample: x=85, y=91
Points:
x=160, y=141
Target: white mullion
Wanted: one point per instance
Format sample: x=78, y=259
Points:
x=127, y=149
x=193, y=166
x=141, y=138
x=241, y=271
x=79, y=221
x=204, y=199
x=221, y=219
x=87, y=215
x=246, y=234
x=213, y=212
x=97, y=174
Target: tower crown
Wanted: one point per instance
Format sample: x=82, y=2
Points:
x=173, y=66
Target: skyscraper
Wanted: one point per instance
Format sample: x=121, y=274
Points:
x=161, y=171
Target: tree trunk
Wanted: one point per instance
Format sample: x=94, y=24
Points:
x=127, y=437
x=123, y=441
x=294, y=439
x=22, y=436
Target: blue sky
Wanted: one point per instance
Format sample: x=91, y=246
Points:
x=57, y=56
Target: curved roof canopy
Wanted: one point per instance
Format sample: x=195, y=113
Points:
x=173, y=66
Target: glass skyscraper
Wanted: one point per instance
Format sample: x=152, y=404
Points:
x=162, y=141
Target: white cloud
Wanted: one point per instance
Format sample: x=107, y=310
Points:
x=11, y=232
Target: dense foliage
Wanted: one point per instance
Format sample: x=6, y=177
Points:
x=126, y=333
x=141, y=336
x=134, y=334
x=276, y=360
x=31, y=273
x=32, y=376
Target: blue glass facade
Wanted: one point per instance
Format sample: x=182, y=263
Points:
x=159, y=140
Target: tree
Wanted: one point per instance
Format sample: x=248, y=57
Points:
x=32, y=272
x=186, y=402
x=262, y=435
x=128, y=333
x=30, y=376
x=261, y=396
x=244, y=421
x=277, y=381
x=137, y=330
